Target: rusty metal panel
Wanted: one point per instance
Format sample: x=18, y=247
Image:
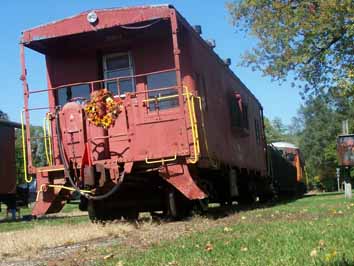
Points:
x=345, y=150
x=208, y=76
x=7, y=160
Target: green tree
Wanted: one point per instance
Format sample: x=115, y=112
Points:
x=321, y=125
x=38, y=153
x=276, y=130
x=311, y=39
x=273, y=133
x=3, y=115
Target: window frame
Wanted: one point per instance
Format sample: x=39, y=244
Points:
x=58, y=91
x=151, y=106
x=130, y=68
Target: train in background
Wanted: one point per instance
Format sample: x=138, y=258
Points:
x=287, y=168
x=142, y=115
x=12, y=194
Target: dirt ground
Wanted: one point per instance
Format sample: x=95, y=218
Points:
x=82, y=241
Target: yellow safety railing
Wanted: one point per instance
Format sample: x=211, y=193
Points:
x=162, y=161
x=47, y=139
x=24, y=155
x=194, y=125
x=161, y=98
x=41, y=190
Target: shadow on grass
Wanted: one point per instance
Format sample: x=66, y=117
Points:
x=224, y=211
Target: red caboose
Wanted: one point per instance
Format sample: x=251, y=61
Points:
x=182, y=127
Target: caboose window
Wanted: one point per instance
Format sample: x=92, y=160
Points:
x=239, y=112
x=160, y=81
x=80, y=92
x=257, y=131
x=117, y=66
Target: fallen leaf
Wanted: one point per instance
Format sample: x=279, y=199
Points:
x=227, y=229
x=119, y=263
x=313, y=253
x=208, y=247
x=109, y=256
x=244, y=249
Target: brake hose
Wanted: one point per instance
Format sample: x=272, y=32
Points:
x=67, y=168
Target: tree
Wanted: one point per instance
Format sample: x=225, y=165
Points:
x=311, y=39
x=275, y=130
x=3, y=115
x=38, y=153
x=321, y=125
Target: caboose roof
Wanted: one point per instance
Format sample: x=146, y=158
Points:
x=78, y=24
x=281, y=144
x=48, y=35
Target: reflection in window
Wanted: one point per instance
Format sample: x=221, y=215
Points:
x=66, y=94
x=159, y=81
x=115, y=66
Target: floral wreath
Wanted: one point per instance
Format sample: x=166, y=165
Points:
x=102, y=110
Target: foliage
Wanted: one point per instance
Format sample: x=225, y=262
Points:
x=276, y=130
x=3, y=115
x=38, y=153
x=321, y=124
x=311, y=39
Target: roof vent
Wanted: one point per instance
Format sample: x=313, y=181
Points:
x=227, y=61
x=198, y=29
x=211, y=43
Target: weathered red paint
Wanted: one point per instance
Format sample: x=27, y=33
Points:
x=7, y=158
x=345, y=150
x=74, y=49
x=179, y=176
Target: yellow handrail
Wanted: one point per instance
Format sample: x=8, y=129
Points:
x=47, y=147
x=194, y=126
x=162, y=161
x=28, y=180
x=61, y=187
x=45, y=139
x=160, y=98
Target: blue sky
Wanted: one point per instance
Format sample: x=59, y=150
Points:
x=278, y=101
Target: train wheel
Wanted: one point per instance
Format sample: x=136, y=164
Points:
x=209, y=189
x=129, y=215
x=178, y=206
x=97, y=212
x=248, y=193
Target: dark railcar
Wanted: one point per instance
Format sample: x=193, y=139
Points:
x=8, y=163
x=283, y=172
x=188, y=129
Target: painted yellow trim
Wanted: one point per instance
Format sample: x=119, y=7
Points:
x=27, y=179
x=162, y=161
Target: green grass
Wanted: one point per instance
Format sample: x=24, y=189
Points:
x=45, y=221
x=316, y=230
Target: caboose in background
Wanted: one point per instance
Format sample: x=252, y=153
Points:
x=188, y=129
x=287, y=168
